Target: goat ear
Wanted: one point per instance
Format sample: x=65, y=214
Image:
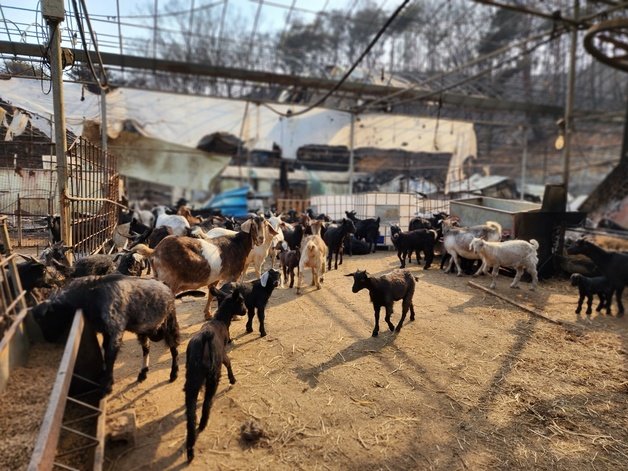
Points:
x=350, y=274
x=264, y=279
x=246, y=226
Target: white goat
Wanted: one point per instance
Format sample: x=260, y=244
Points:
x=178, y=224
x=457, y=240
x=518, y=254
x=314, y=256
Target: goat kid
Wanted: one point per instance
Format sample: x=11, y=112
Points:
x=256, y=295
x=384, y=291
x=588, y=287
x=204, y=357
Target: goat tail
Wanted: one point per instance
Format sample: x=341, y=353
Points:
x=534, y=244
x=435, y=234
x=495, y=225
x=143, y=249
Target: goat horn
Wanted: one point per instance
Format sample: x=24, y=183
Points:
x=30, y=258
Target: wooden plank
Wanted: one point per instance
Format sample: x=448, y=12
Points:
x=14, y=348
x=45, y=449
x=528, y=309
x=101, y=429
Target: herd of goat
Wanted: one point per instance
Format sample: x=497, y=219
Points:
x=186, y=253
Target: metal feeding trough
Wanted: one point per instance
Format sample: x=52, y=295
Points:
x=524, y=220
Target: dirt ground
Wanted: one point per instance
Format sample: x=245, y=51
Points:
x=473, y=383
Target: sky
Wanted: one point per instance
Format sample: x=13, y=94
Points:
x=23, y=15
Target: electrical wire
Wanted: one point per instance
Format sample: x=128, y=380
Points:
x=85, y=49
x=322, y=100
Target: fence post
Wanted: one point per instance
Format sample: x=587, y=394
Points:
x=56, y=70
x=19, y=221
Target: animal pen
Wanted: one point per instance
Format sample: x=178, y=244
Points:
x=30, y=196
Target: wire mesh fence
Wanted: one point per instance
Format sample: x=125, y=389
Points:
x=93, y=184
x=29, y=195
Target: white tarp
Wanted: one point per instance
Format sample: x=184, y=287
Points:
x=184, y=119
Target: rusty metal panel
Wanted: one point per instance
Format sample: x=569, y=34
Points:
x=93, y=191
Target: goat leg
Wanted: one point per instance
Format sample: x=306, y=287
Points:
x=111, y=346
x=515, y=282
x=589, y=303
x=145, y=343
x=227, y=363
x=389, y=312
x=620, y=305
x=249, y=324
x=211, y=385
x=192, y=388
x=376, y=328
x=580, y=301
x=261, y=315
x=601, y=304
x=404, y=310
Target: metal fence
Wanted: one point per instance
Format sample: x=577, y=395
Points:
x=29, y=194
x=93, y=185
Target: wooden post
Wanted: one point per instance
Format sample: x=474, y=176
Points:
x=56, y=75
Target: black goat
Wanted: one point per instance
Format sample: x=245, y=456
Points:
x=131, y=264
x=334, y=237
x=204, y=357
x=612, y=265
x=384, y=291
x=356, y=247
x=367, y=229
x=113, y=304
x=415, y=241
x=589, y=287
x=289, y=260
x=256, y=295
x=293, y=235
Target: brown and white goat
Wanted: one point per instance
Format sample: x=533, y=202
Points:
x=314, y=256
x=187, y=263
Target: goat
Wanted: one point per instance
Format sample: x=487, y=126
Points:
x=131, y=264
x=187, y=214
x=259, y=253
x=293, y=235
x=179, y=224
x=113, y=304
x=355, y=246
x=518, y=254
x=417, y=241
x=589, y=287
x=256, y=295
x=612, y=265
x=456, y=241
x=384, y=291
x=186, y=263
x=204, y=357
x=334, y=237
x=289, y=260
x=313, y=256
x=367, y=229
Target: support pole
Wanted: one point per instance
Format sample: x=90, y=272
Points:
x=56, y=76
x=571, y=83
x=351, y=144
x=524, y=160
x=103, y=120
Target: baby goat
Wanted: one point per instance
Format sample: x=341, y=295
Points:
x=589, y=287
x=384, y=291
x=256, y=295
x=113, y=304
x=204, y=357
x=289, y=261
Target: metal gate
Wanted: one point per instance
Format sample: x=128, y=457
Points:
x=93, y=183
